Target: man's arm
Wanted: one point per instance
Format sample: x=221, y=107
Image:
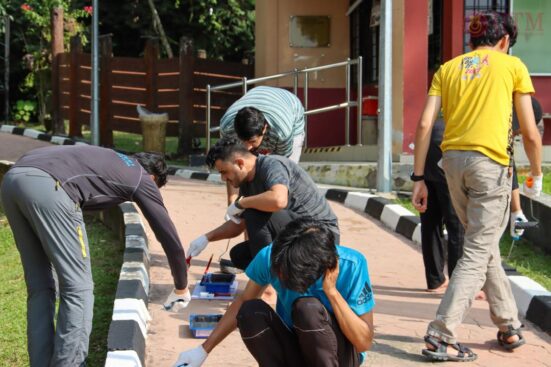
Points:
x=232, y=192
x=273, y=200
x=357, y=329
x=229, y=229
x=149, y=200
x=422, y=141
x=228, y=322
x=530, y=134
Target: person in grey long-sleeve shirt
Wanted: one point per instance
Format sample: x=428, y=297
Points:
x=43, y=196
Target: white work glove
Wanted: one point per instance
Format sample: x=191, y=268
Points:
x=233, y=213
x=535, y=190
x=177, y=302
x=197, y=246
x=517, y=217
x=192, y=358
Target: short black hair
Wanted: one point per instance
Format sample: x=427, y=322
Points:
x=249, y=122
x=224, y=150
x=488, y=27
x=302, y=252
x=154, y=164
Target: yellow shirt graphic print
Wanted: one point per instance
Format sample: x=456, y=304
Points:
x=477, y=98
x=472, y=66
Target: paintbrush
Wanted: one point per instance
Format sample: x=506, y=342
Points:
x=208, y=265
x=204, y=278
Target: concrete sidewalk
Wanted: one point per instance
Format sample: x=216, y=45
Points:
x=402, y=309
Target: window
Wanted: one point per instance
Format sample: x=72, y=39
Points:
x=476, y=6
x=364, y=38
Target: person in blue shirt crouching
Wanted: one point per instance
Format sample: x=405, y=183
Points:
x=324, y=312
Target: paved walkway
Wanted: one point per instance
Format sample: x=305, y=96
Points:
x=402, y=312
x=402, y=309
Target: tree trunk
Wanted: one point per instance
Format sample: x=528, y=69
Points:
x=58, y=124
x=159, y=28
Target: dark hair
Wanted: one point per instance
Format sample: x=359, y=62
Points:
x=224, y=149
x=249, y=122
x=302, y=252
x=154, y=164
x=487, y=28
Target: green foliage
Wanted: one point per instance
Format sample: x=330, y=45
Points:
x=32, y=26
x=224, y=28
x=24, y=110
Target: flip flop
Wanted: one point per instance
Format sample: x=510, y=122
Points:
x=440, y=353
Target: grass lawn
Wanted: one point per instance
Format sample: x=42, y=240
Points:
x=106, y=257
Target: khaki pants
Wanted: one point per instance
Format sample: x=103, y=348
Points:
x=480, y=190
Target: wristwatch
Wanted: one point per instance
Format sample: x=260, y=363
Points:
x=415, y=178
x=236, y=202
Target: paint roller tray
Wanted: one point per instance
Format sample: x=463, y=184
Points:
x=202, y=325
x=217, y=282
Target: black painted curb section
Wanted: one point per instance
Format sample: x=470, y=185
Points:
x=131, y=288
x=126, y=335
x=407, y=224
x=336, y=195
x=375, y=207
x=539, y=312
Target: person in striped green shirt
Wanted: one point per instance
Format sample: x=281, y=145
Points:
x=268, y=120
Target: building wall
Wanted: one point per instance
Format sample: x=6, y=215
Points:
x=274, y=55
x=415, y=67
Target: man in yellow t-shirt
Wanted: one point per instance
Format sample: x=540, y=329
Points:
x=476, y=92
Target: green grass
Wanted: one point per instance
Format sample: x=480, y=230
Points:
x=528, y=259
x=106, y=257
x=13, y=301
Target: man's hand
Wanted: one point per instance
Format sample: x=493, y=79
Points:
x=532, y=186
x=419, y=196
x=177, y=300
x=233, y=213
x=197, y=246
x=330, y=279
x=517, y=217
x=192, y=358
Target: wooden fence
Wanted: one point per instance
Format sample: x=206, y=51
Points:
x=176, y=86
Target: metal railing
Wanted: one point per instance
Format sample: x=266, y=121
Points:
x=244, y=83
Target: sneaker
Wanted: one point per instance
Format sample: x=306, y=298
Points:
x=227, y=267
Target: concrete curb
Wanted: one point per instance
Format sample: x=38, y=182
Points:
x=128, y=330
x=39, y=135
x=533, y=300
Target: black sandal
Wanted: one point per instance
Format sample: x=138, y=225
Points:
x=502, y=337
x=440, y=353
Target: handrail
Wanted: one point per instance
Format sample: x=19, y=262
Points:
x=244, y=83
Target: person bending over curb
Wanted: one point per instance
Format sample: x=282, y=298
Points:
x=267, y=120
x=324, y=313
x=475, y=92
x=43, y=196
x=274, y=191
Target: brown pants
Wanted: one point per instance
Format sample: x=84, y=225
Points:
x=316, y=339
x=480, y=190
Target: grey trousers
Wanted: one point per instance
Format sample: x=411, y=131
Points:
x=49, y=230
x=481, y=192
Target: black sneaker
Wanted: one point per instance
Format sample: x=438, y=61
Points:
x=227, y=267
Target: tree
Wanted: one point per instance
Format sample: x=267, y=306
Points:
x=35, y=31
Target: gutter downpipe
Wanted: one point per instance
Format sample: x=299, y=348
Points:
x=384, y=161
